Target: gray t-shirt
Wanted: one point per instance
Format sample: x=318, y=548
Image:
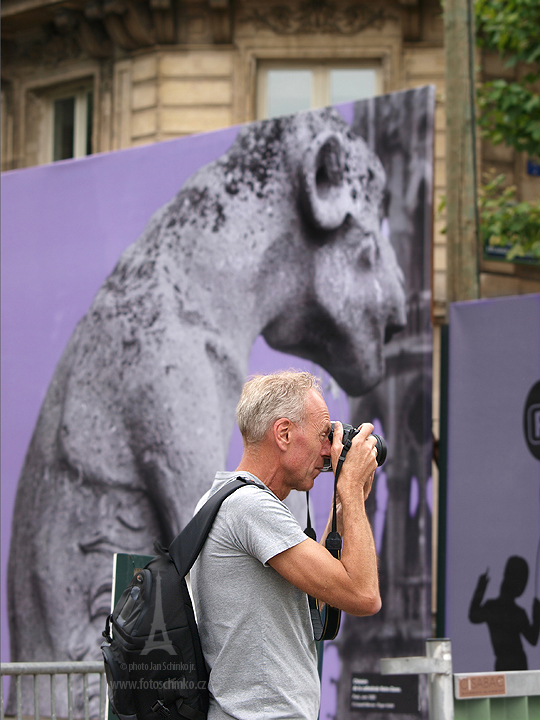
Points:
x=255, y=627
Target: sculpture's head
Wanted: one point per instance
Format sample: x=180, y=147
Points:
x=349, y=297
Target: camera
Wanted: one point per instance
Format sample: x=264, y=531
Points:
x=348, y=433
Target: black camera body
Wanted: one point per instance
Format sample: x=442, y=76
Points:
x=349, y=433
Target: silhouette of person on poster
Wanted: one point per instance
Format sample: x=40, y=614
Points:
x=506, y=620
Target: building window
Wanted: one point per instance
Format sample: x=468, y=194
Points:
x=72, y=122
x=285, y=88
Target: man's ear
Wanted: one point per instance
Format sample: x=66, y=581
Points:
x=282, y=433
x=325, y=193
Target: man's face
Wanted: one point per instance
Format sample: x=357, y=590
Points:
x=309, y=444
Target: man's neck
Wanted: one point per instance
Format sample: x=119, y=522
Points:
x=258, y=463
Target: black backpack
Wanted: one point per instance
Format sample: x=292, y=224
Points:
x=153, y=659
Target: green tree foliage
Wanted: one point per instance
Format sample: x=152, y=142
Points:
x=507, y=222
x=509, y=113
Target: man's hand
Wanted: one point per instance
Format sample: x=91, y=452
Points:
x=337, y=446
x=358, y=469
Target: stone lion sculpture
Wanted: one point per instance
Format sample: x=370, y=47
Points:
x=281, y=237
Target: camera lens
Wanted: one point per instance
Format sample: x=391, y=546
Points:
x=381, y=449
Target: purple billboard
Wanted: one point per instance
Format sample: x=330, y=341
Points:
x=493, y=513
x=301, y=242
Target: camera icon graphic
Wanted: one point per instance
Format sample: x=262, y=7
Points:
x=531, y=420
x=533, y=424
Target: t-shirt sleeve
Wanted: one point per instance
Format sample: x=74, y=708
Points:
x=260, y=524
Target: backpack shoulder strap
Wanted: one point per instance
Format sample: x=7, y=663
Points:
x=185, y=548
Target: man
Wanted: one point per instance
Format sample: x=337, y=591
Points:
x=252, y=576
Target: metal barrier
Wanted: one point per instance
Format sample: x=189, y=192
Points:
x=512, y=695
x=78, y=698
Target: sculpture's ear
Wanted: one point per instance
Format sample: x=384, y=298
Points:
x=325, y=193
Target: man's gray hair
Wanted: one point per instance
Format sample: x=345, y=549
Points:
x=266, y=398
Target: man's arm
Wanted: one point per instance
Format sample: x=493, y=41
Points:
x=351, y=583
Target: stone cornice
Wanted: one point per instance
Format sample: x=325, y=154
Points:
x=314, y=16
x=109, y=28
x=51, y=31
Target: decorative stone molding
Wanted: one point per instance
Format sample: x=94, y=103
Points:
x=110, y=28
x=45, y=49
x=315, y=16
x=101, y=29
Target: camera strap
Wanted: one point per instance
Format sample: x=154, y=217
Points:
x=327, y=627
x=344, y=450
x=325, y=624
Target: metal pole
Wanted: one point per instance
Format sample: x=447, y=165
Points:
x=441, y=690
x=19, y=696
x=53, y=697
